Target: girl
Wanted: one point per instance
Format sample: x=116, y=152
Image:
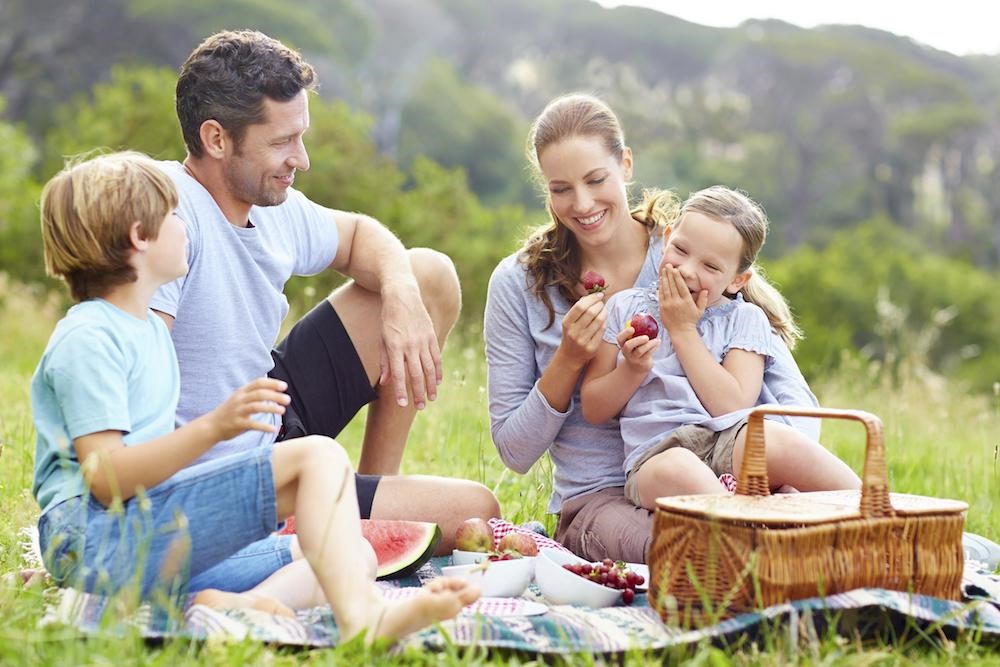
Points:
x=684, y=398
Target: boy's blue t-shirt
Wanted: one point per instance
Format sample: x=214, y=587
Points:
x=102, y=370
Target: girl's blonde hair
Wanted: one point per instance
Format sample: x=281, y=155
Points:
x=551, y=253
x=88, y=209
x=749, y=219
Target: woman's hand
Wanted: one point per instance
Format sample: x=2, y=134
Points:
x=678, y=309
x=638, y=351
x=583, y=329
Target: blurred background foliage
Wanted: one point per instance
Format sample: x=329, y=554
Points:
x=875, y=157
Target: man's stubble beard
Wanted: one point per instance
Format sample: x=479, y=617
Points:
x=249, y=190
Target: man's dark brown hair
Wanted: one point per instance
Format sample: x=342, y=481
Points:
x=228, y=76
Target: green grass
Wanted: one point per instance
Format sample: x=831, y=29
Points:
x=940, y=441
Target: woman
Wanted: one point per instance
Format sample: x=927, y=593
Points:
x=542, y=329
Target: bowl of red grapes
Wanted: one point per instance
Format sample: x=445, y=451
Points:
x=566, y=579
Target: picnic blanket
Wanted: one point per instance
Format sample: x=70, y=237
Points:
x=502, y=623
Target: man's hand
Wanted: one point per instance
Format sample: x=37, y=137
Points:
x=678, y=309
x=410, y=351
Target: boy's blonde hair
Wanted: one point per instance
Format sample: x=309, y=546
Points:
x=88, y=209
x=747, y=216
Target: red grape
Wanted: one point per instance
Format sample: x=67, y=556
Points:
x=613, y=574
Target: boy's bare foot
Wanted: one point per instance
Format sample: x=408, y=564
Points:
x=216, y=599
x=28, y=577
x=438, y=600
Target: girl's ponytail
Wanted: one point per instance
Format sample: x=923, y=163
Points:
x=658, y=209
x=761, y=292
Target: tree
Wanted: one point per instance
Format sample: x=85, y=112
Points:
x=134, y=110
x=459, y=125
x=20, y=240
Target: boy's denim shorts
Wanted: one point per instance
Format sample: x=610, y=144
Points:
x=178, y=537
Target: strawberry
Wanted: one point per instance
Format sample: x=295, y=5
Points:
x=593, y=282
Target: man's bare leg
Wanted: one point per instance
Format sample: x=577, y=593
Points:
x=258, y=599
x=388, y=425
x=445, y=501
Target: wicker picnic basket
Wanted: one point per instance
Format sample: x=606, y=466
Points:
x=729, y=554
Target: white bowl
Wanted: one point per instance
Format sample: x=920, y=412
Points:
x=560, y=586
x=459, y=557
x=496, y=578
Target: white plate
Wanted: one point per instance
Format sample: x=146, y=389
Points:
x=504, y=607
x=482, y=606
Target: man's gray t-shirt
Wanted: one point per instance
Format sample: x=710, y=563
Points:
x=228, y=309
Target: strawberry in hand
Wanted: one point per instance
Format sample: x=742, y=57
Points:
x=593, y=282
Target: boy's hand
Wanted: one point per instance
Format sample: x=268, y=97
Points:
x=638, y=351
x=678, y=309
x=236, y=415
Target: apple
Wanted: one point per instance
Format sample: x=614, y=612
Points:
x=474, y=535
x=593, y=282
x=519, y=542
x=643, y=324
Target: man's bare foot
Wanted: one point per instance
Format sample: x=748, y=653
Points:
x=439, y=600
x=216, y=599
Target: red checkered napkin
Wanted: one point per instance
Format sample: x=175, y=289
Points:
x=502, y=527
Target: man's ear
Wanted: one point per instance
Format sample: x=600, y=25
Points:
x=740, y=281
x=214, y=138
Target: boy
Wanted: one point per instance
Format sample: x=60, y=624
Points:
x=119, y=508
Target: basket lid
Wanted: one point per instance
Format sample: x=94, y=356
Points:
x=788, y=509
x=781, y=509
x=905, y=504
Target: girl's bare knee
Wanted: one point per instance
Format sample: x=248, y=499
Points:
x=670, y=469
x=680, y=461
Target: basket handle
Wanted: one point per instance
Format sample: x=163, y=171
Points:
x=874, y=480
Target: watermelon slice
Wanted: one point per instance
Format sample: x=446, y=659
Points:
x=401, y=547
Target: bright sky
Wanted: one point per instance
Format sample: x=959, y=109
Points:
x=959, y=26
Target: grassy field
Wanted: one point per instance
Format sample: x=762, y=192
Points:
x=940, y=441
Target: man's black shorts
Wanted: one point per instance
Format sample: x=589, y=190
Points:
x=326, y=381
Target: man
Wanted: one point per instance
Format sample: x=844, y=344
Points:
x=242, y=102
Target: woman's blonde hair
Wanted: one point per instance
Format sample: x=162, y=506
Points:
x=748, y=218
x=88, y=209
x=551, y=253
